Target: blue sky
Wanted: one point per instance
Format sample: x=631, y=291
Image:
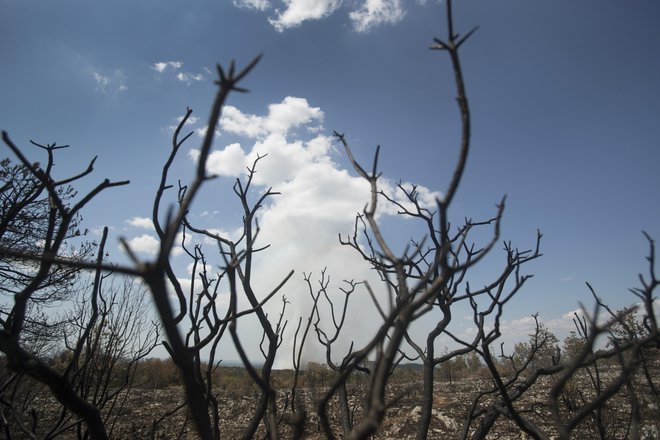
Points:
x=565, y=101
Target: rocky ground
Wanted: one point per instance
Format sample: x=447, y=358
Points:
x=147, y=411
x=451, y=404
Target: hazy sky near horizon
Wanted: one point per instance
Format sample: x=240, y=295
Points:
x=565, y=100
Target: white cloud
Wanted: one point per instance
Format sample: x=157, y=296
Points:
x=149, y=245
x=113, y=82
x=101, y=80
x=179, y=241
x=259, y=5
x=188, y=77
x=220, y=233
x=192, y=120
x=284, y=162
x=365, y=14
x=201, y=131
x=144, y=244
x=303, y=167
x=185, y=284
x=298, y=11
x=162, y=66
x=425, y=197
x=175, y=66
x=235, y=121
x=271, y=132
x=99, y=230
x=141, y=222
x=209, y=213
x=568, y=316
x=230, y=161
x=373, y=13
x=524, y=324
x=519, y=330
x=291, y=113
x=319, y=200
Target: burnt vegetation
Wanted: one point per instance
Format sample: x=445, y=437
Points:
x=77, y=332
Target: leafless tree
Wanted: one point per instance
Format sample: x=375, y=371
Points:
x=630, y=349
x=432, y=276
x=109, y=332
x=429, y=277
x=105, y=336
x=46, y=263
x=24, y=222
x=203, y=323
x=196, y=324
x=328, y=337
x=547, y=393
x=424, y=278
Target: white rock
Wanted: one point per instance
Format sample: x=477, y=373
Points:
x=445, y=420
x=416, y=413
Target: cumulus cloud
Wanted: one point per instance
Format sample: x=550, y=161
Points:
x=400, y=194
x=201, y=131
x=141, y=222
x=568, y=316
x=230, y=161
x=292, y=112
x=235, y=121
x=149, y=245
x=144, y=244
x=373, y=13
x=298, y=11
x=220, y=233
x=271, y=132
x=192, y=120
x=303, y=166
x=319, y=199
